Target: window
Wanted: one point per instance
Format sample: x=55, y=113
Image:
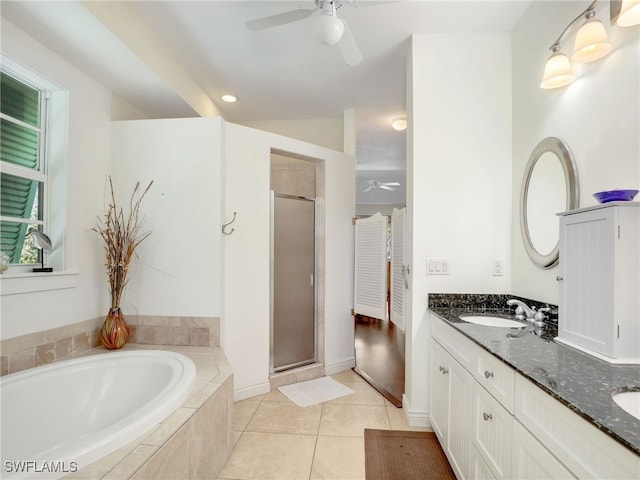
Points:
x=31, y=148
x=23, y=178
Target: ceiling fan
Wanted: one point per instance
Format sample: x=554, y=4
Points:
x=328, y=28
x=384, y=186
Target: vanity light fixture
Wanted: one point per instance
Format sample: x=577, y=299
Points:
x=591, y=43
x=558, y=71
x=625, y=13
x=229, y=98
x=399, y=123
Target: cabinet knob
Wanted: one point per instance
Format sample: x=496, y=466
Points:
x=487, y=416
x=444, y=370
x=488, y=374
x=559, y=278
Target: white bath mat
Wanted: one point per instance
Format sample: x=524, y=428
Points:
x=315, y=391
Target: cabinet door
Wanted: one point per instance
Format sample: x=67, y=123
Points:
x=440, y=366
x=492, y=425
x=531, y=460
x=479, y=469
x=460, y=406
x=587, y=244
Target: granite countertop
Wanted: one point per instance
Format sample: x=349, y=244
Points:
x=580, y=381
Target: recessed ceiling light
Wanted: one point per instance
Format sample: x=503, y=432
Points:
x=399, y=123
x=229, y=98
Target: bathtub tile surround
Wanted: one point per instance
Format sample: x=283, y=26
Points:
x=40, y=348
x=195, y=331
x=581, y=382
x=57, y=344
x=195, y=441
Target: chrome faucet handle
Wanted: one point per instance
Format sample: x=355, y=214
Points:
x=520, y=313
x=540, y=313
x=540, y=316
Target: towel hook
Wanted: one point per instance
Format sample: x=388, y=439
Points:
x=224, y=227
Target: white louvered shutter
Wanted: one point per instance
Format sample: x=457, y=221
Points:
x=370, y=290
x=398, y=287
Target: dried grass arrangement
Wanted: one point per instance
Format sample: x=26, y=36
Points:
x=121, y=235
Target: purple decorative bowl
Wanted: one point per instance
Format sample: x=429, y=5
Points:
x=615, y=196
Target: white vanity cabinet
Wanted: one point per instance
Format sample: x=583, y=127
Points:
x=494, y=423
x=451, y=396
x=530, y=460
x=492, y=427
x=599, y=281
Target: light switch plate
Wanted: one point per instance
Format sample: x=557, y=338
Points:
x=437, y=266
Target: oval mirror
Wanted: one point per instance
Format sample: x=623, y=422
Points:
x=549, y=186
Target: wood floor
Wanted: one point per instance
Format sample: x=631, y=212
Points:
x=380, y=356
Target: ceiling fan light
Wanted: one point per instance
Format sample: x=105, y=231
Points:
x=328, y=29
x=557, y=72
x=592, y=42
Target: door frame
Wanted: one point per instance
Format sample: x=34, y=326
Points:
x=272, y=368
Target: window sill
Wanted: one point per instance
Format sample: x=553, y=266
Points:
x=17, y=283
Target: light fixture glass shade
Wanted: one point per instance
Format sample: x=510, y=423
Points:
x=629, y=13
x=328, y=29
x=399, y=124
x=592, y=42
x=557, y=72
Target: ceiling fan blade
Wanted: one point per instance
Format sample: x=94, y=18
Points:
x=367, y=189
x=279, y=19
x=384, y=187
x=391, y=184
x=349, y=48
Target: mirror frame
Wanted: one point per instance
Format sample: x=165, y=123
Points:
x=561, y=150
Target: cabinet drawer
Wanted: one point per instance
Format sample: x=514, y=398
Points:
x=531, y=461
x=497, y=377
x=459, y=346
x=581, y=447
x=492, y=427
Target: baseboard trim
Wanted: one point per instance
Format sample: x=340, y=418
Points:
x=415, y=418
x=341, y=366
x=251, y=391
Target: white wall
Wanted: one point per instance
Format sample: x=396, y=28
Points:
x=57, y=302
x=459, y=195
x=326, y=132
x=178, y=270
x=598, y=116
x=246, y=254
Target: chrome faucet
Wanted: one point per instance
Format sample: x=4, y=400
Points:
x=523, y=311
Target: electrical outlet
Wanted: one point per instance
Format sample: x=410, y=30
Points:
x=498, y=268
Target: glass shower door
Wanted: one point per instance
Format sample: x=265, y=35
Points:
x=293, y=322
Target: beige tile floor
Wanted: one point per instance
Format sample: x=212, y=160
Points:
x=276, y=439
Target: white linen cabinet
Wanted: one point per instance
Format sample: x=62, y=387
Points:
x=599, y=305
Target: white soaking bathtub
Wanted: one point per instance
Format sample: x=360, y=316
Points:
x=58, y=418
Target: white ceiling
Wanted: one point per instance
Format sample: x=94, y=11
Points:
x=278, y=74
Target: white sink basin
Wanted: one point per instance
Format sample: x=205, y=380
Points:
x=629, y=402
x=493, y=321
